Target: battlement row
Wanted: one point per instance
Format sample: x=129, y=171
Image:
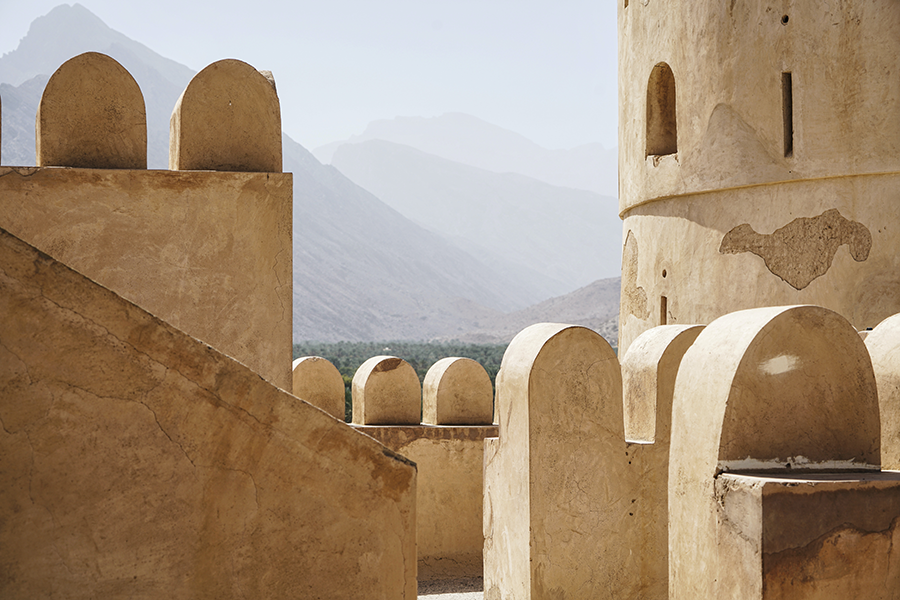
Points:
x=92, y=115
x=701, y=465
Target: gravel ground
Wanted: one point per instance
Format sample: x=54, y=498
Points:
x=452, y=589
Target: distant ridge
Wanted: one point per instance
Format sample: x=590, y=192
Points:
x=68, y=30
x=595, y=306
x=562, y=238
x=470, y=141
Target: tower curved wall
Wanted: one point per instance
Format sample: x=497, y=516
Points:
x=783, y=183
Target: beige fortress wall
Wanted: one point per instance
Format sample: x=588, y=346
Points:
x=775, y=481
x=209, y=252
x=449, y=484
x=699, y=221
x=649, y=369
x=137, y=461
x=387, y=398
x=559, y=490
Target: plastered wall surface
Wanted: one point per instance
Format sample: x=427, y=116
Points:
x=808, y=535
x=209, y=252
x=883, y=344
x=92, y=115
x=227, y=119
x=824, y=242
x=775, y=389
x=319, y=382
x=753, y=159
x=136, y=461
x=558, y=492
x=649, y=369
x=449, y=487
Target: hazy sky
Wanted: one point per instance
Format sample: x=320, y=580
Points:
x=545, y=69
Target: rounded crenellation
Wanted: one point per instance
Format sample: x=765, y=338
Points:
x=319, y=382
x=457, y=391
x=227, y=119
x=883, y=344
x=91, y=115
x=386, y=391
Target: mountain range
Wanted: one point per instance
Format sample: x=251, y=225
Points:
x=362, y=270
x=470, y=141
x=560, y=238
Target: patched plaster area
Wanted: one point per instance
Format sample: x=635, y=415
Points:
x=634, y=298
x=803, y=249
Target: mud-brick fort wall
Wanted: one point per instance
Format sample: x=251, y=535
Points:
x=759, y=159
x=205, y=246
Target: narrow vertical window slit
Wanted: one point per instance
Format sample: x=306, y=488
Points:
x=663, y=310
x=787, y=101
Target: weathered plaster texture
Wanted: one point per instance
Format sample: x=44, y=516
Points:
x=139, y=462
x=319, y=382
x=634, y=298
x=825, y=536
x=780, y=388
x=648, y=384
x=449, y=485
x=752, y=156
x=227, y=119
x=386, y=391
x=208, y=252
x=457, y=391
x=558, y=496
x=883, y=343
x=91, y=115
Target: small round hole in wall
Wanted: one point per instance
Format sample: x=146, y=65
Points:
x=785, y=19
x=664, y=273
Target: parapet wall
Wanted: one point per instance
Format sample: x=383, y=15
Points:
x=208, y=251
x=137, y=461
x=448, y=447
x=746, y=463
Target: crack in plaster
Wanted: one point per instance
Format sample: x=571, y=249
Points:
x=280, y=285
x=21, y=171
x=219, y=400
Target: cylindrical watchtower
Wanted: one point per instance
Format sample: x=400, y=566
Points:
x=759, y=158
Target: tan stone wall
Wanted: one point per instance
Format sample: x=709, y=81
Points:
x=826, y=242
x=727, y=60
x=387, y=404
x=227, y=119
x=808, y=536
x=386, y=391
x=730, y=173
x=457, y=391
x=778, y=389
x=449, y=485
x=91, y=115
x=558, y=496
x=649, y=369
x=883, y=344
x=319, y=382
x=208, y=252
x=139, y=462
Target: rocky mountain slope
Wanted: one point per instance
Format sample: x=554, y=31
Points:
x=595, y=306
x=561, y=237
